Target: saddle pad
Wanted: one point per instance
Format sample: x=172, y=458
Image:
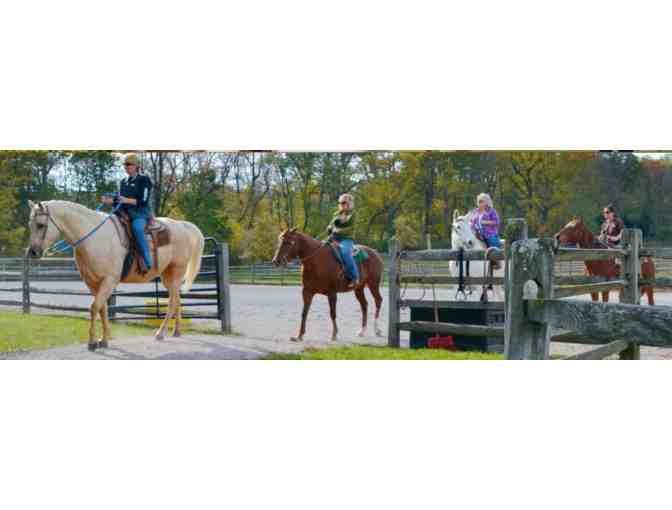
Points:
x=360, y=254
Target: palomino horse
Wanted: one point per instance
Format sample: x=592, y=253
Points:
x=100, y=257
x=462, y=236
x=576, y=233
x=321, y=274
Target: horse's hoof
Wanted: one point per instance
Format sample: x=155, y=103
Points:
x=102, y=344
x=361, y=333
x=296, y=339
x=177, y=334
x=379, y=333
x=93, y=346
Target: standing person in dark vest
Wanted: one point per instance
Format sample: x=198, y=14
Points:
x=134, y=195
x=612, y=228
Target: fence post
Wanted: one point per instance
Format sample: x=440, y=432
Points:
x=112, y=301
x=531, y=259
x=393, y=295
x=517, y=231
x=223, y=286
x=632, y=240
x=25, y=277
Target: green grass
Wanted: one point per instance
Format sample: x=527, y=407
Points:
x=370, y=352
x=19, y=332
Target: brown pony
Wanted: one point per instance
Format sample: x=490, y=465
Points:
x=322, y=274
x=576, y=233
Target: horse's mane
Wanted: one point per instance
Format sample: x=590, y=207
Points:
x=73, y=206
x=299, y=235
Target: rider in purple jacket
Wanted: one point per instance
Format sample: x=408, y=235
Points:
x=485, y=221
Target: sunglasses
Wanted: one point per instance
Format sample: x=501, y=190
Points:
x=342, y=203
x=129, y=164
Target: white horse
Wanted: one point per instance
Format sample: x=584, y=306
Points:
x=462, y=236
x=100, y=257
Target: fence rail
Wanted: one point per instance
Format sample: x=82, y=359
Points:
x=621, y=328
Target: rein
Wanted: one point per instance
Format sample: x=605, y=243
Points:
x=303, y=260
x=460, y=286
x=59, y=249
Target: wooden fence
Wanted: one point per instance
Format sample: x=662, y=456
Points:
x=214, y=269
x=535, y=303
x=397, y=278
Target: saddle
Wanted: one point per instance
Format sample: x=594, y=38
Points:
x=157, y=235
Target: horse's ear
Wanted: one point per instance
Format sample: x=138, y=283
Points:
x=292, y=230
x=31, y=204
x=41, y=207
x=456, y=214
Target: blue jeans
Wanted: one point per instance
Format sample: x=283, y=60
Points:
x=138, y=225
x=493, y=242
x=350, y=266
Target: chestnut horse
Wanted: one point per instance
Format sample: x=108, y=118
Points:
x=577, y=233
x=322, y=274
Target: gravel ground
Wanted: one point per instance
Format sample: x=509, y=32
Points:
x=264, y=318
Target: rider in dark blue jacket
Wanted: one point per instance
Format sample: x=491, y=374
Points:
x=134, y=195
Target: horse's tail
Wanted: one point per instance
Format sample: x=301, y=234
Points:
x=196, y=254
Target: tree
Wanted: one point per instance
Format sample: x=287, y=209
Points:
x=382, y=195
x=90, y=174
x=13, y=231
x=259, y=243
x=541, y=182
x=406, y=232
x=201, y=202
